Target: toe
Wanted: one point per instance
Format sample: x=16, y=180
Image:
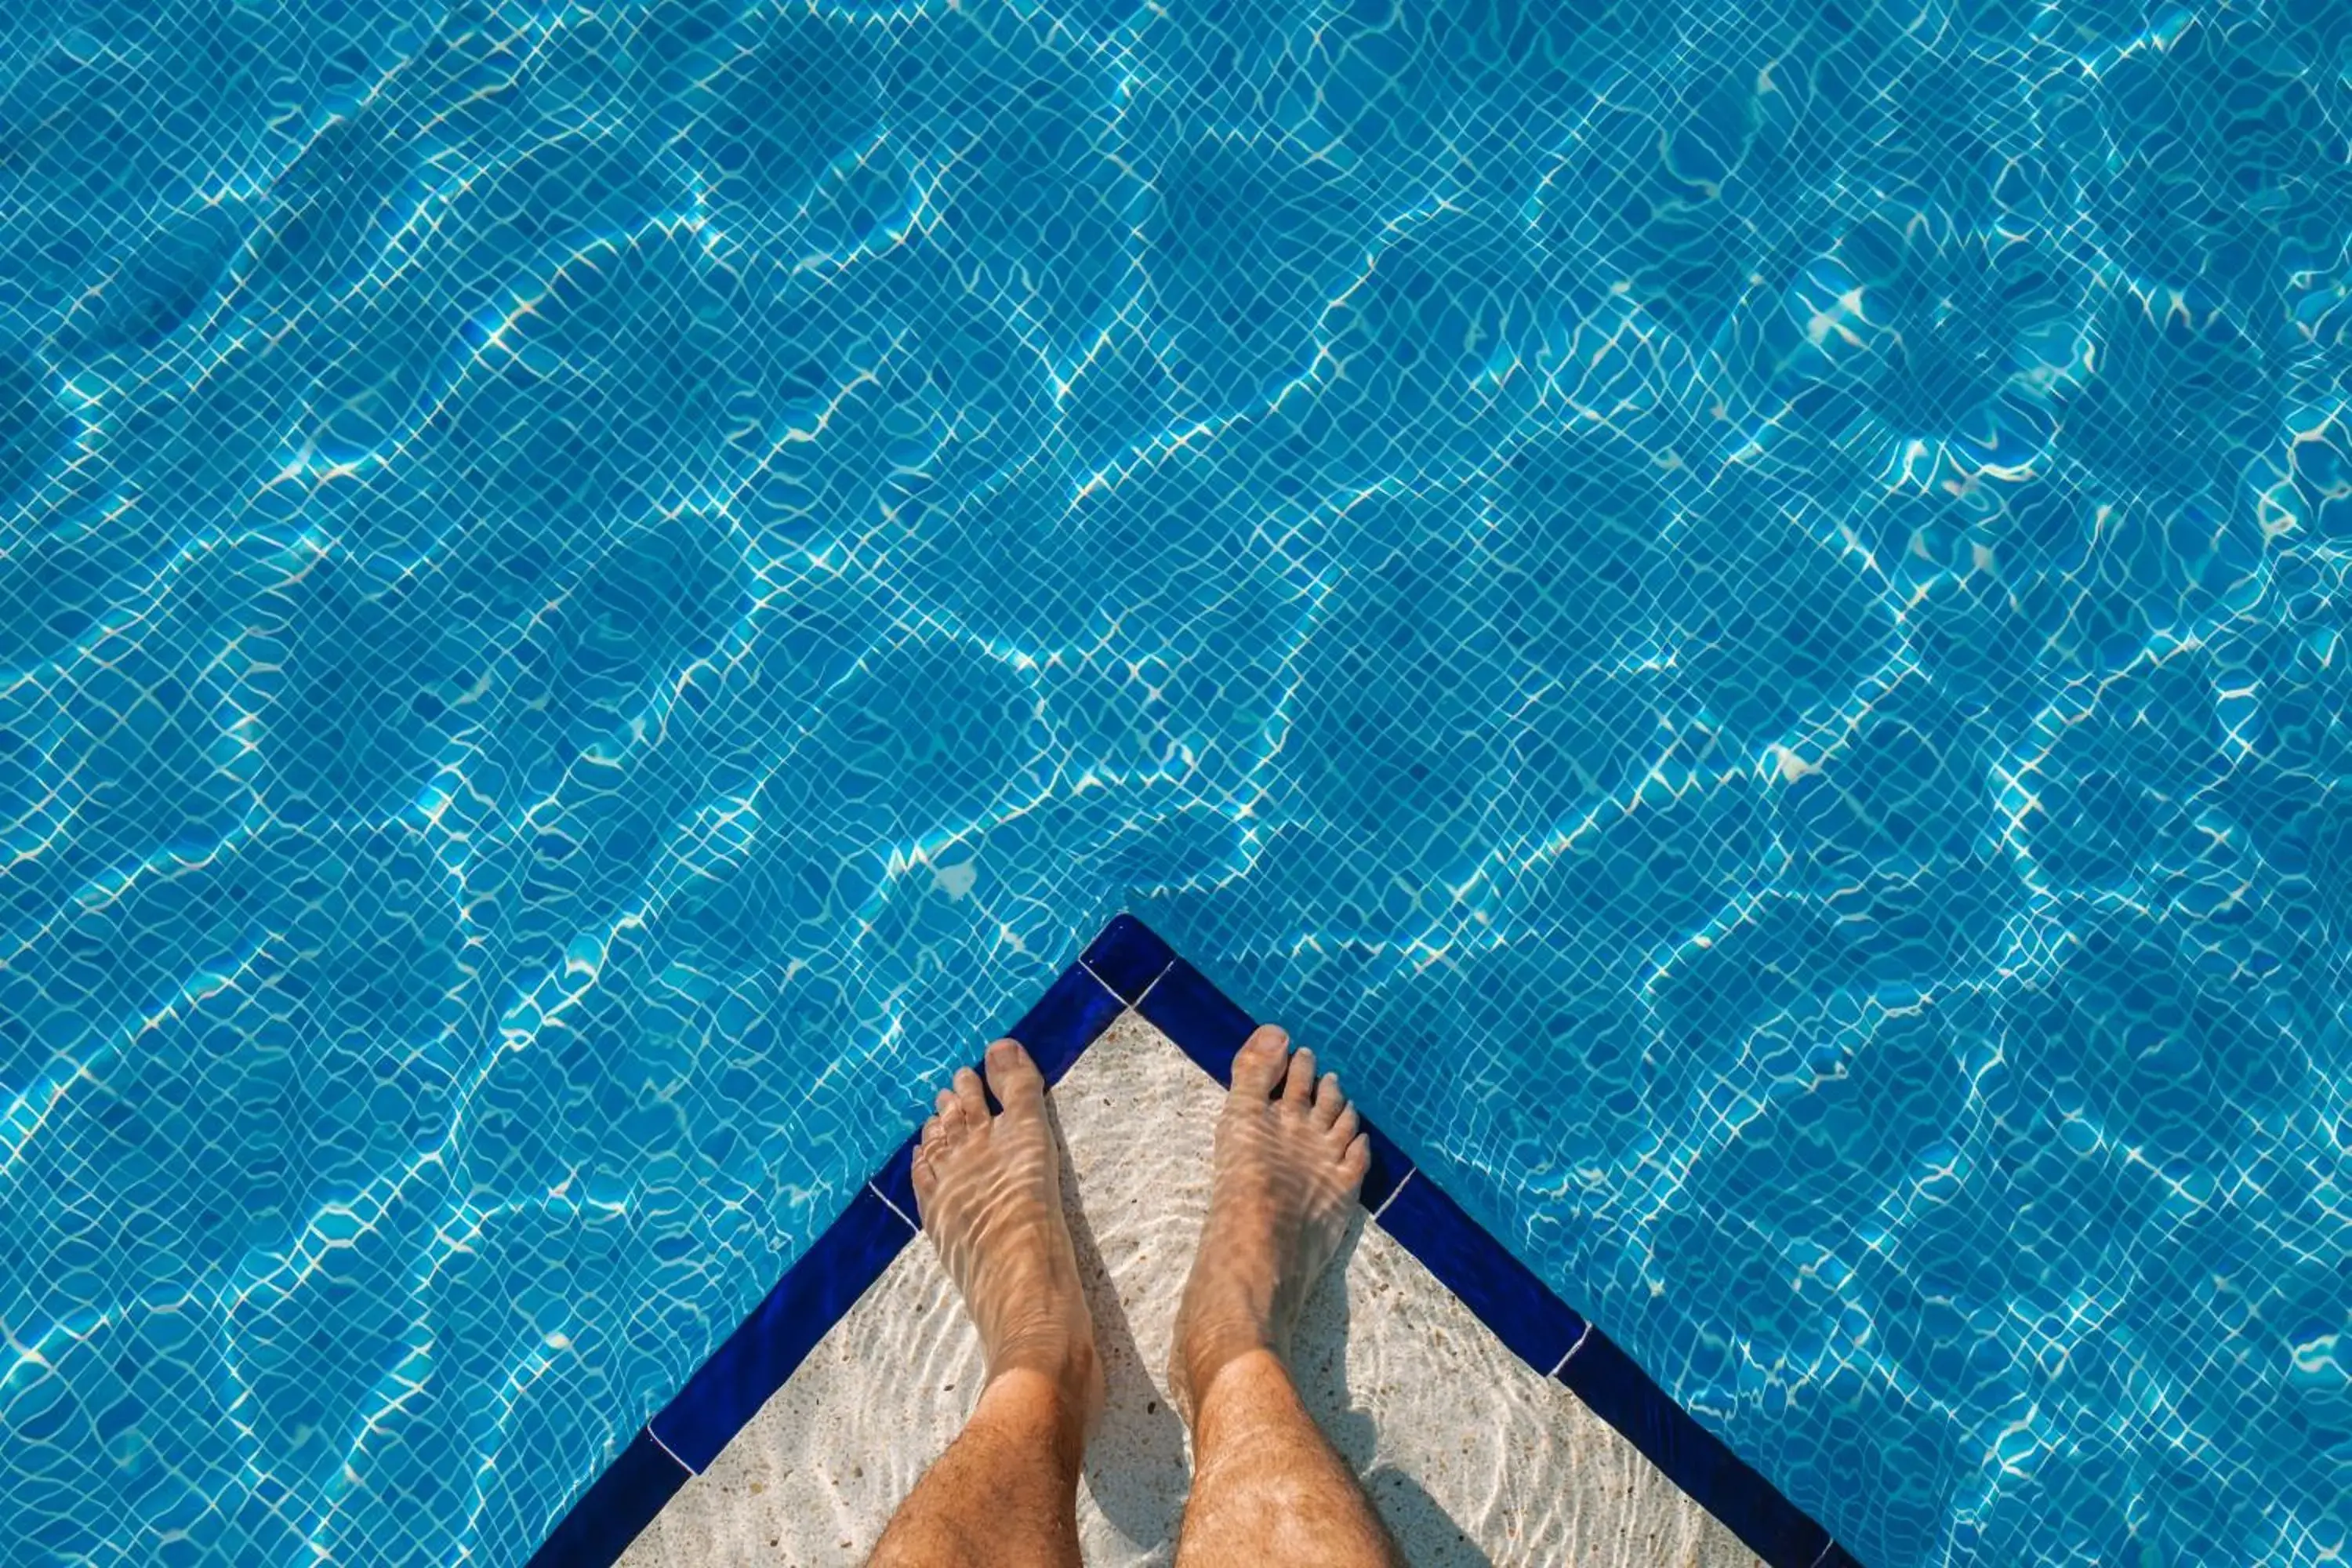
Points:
x=924, y=1177
x=971, y=1097
x=1329, y=1101
x=1257, y=1066
x=1357, y=1160
x=1345, y=1126
x=942, y=1101
x=1014, y=1075
x=1299, y=1084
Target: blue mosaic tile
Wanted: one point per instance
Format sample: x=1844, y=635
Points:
x=616, y=1508
x=1742, y=608
x=752, y=1363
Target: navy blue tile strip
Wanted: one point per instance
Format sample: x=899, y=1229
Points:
x=1206, y=1026
x=1065, y=1020
x=894, y=1183
x=1128, y=955
x=1496, y=1286
x=1694, y=1458
x=754, y=1361
x=1129, y=964
x=616, y=1508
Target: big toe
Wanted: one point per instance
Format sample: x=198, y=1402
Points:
x=1013, y=1077
x=1258, y=1066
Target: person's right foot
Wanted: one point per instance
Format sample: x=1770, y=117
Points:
x=1285, y=1174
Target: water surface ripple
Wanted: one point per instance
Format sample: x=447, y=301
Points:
x=1737, y=607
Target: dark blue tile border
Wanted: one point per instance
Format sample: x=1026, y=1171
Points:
x=1206, y=1026
x=1128, y=965
x=1694, y=1458
x=1127, y=957
x=1065, y=1020
x=616, y=1508
x=754, y=1361
x=1503, y=1293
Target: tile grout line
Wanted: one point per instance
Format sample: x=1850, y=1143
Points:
x=1572, y=1355
x=1138, y=1003
x=665, y=1449
x=1125, y=1006
x=1402, y=1182
x=893, y=1208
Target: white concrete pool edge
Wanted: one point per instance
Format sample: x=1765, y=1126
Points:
x=1472, y=1456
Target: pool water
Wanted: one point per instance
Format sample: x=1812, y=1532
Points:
x=1737, y=609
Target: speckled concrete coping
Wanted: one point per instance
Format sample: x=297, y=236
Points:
x=1447, y=1392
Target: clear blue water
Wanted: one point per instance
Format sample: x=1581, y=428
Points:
x=1738, y=605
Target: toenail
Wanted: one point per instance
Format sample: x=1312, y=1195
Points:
x=1002, y=1053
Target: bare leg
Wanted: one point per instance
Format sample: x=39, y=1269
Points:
x=1006, y=1491
x=1267, y=1490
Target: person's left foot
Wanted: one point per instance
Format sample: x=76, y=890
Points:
x=990, y=1192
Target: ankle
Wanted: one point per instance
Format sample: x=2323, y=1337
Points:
x=1238, y=1393
x=1065, y=1364
x=1213, y=1351
x=1046, y=1409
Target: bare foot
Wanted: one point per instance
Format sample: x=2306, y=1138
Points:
x=1285, y=1175
x=990, y=1192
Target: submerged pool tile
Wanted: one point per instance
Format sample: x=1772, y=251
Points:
x=1129, y=957
x=1076, y=1008
x=1622, y=1394
x=616, y=1506
x=894, y=1181
x=1386, y=1171
x=754, y=1361
x=1498, y=1287
x=1203, y=1022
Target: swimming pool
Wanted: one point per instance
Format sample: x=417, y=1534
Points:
x=1737, y=608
